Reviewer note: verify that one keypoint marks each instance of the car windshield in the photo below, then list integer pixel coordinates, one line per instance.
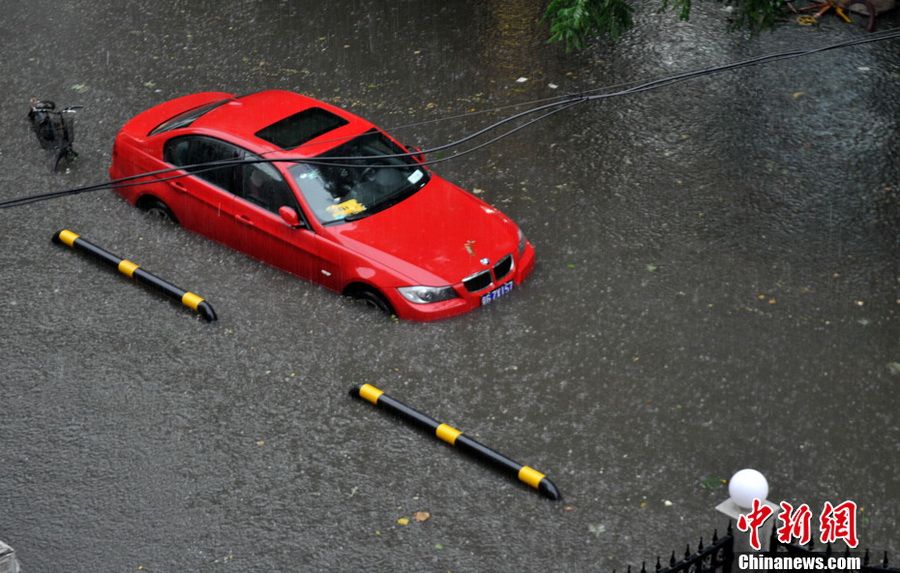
(356, 188)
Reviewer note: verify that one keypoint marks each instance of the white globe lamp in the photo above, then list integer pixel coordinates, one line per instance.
(747, 485)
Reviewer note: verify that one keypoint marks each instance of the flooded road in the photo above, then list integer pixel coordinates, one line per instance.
(717, 287)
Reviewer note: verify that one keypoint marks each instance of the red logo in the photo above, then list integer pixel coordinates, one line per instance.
(794, 524)
(839, 523)
(753, 521)
(835, 522)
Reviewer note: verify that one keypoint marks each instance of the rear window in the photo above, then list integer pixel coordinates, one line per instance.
(188, 117)
(299, 128)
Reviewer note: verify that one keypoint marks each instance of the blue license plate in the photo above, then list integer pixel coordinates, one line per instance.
(497, 293)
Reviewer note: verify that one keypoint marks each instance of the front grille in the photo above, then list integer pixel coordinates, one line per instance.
(477, 281)
(503, 266)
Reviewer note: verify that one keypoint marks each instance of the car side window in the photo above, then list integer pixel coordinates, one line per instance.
(181, 151)
(264, 186)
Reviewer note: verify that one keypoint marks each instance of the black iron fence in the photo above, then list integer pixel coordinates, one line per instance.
(868, 566)
(719, 556)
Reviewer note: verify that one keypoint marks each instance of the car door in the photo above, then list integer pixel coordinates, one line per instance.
(207, 197)
(268, 237)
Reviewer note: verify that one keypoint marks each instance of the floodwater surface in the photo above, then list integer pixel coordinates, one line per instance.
(717, 287)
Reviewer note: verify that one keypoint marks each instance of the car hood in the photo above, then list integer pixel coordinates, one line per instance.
(437, 236)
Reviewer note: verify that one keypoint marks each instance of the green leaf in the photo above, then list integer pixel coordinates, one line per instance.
(574, 21)
(712, 482)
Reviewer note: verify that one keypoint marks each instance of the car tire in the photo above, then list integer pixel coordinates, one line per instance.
(159, 211)
(372, 299)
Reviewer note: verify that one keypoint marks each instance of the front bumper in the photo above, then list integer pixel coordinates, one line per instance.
(466, 301)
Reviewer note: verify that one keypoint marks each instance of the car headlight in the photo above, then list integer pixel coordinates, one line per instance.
(522, 242)
(427, 294)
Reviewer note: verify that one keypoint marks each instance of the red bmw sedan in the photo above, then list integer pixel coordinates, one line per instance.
(385, 230)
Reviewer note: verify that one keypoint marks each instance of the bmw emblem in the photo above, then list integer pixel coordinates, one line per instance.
(485, 261)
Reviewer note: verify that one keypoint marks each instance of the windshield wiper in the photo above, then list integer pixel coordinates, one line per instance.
(389, 202)
(358, 216)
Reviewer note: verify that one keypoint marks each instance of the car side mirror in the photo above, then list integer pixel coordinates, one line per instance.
(417, 151)
(289, 216)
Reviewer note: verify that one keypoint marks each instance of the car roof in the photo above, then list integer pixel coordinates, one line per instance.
(245, 116)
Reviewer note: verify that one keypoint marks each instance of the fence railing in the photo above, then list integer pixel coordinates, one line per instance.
(719, 556)
(776, 547)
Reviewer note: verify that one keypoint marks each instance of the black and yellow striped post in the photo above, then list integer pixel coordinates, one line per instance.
(455, 437)
(133, 271)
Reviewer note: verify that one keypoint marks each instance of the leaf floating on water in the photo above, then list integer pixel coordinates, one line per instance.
(597, 529)
(404, 521)
(712, 482)
(421, 516)
(652, 268)
(797, 95)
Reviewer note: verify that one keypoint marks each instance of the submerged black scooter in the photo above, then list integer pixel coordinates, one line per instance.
(55, 130)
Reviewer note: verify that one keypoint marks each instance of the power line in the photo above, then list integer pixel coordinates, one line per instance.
(552, 106)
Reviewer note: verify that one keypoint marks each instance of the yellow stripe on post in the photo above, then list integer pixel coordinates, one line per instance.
(68, 237)
(447, 433)
(127, 268)
(370, 393)
(531, 476)
(191, 300)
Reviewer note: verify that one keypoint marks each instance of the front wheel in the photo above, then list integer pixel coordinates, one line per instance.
(63, 158)
(371, 298)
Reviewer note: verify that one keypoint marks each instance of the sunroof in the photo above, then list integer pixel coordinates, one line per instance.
(301, 127)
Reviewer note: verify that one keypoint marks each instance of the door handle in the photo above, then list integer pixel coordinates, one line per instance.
(178, 186)
(245, 220)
